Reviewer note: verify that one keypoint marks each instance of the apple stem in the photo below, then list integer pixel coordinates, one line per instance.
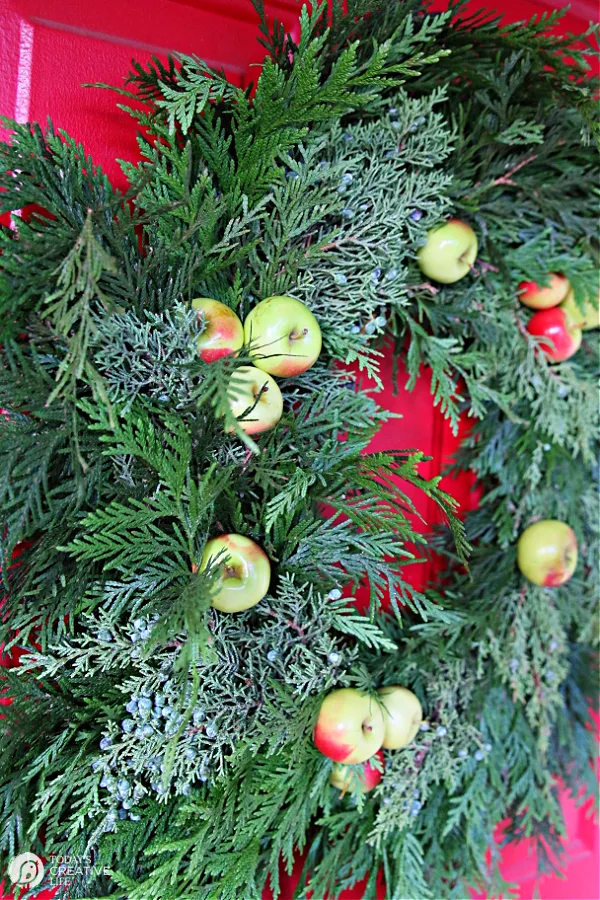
(294, 336)
(507, 177)
(424, 286)
(487, 267)
(522, 328)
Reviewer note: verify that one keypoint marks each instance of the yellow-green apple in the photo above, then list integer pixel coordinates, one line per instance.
(586, 318)
(547, 552)
(344, 778)
(562, 334)
(349, 726)
(256, 397)
(283, 336)
(223, 332)
(535, 297)
(244, 571)
(449, 252)
(402, 715)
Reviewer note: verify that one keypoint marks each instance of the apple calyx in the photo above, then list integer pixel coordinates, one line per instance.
(243, 572)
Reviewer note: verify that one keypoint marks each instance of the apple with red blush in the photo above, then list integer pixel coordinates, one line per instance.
(222, 330)
(536, 296)
(365, 778)
(547, 553)
(561, 336)
(283, 336)
(350, 726)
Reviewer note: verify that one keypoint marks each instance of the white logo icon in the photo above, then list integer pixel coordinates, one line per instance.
(26, 869)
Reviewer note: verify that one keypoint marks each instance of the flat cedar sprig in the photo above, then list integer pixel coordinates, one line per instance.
(171, 742)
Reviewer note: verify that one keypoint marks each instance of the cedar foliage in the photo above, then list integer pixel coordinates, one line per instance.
(170, 742)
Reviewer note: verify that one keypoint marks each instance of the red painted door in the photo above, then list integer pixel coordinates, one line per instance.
(50, 48)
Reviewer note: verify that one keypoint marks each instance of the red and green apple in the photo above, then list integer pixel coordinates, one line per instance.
(449, 252)
(223, 332)
(402, 714)
(244, 571)
(349, 726)
(255, 397)
(344, 778)
(283, 336)
(547, 296)
(547, 553)
(562, 335)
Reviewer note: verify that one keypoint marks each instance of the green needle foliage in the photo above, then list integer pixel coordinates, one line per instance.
(172, 743)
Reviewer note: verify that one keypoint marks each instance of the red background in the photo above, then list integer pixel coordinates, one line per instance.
(49, 48)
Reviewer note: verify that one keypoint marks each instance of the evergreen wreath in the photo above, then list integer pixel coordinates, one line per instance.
(172, 742)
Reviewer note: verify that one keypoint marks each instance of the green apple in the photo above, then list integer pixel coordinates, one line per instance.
(586, 318)
(547, 553)
(256, 397)
(449, 253)
(344, 778)
(349, 726)
(535, 297)
(283, 336)
(245, 571)
(403, 715)
(223, 332)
